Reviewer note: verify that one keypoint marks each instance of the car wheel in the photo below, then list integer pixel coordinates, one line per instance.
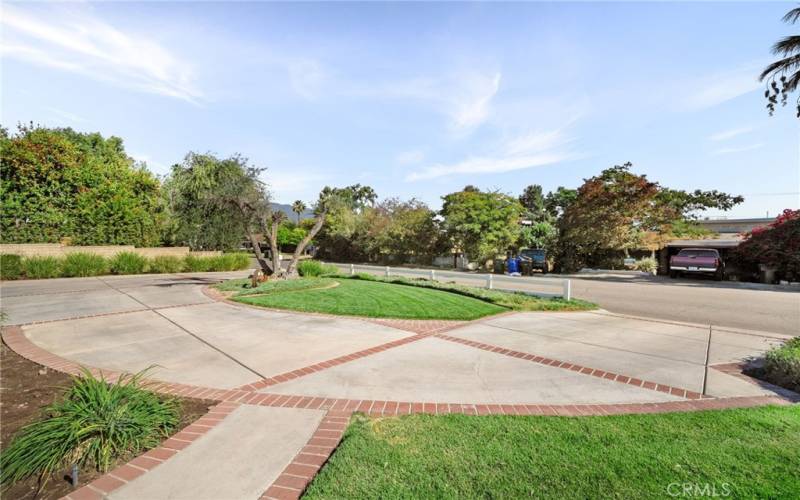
(673, 274)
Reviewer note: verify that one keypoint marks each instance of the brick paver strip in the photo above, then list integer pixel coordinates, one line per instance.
(594, 372)
(122, 475)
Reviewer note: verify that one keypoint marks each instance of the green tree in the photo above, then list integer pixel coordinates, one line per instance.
(481, 224)
(539, 235)
(58, 183)
(776, 246)
(533, 200)
(614, 210)
(298, 207)
(785, 70)
(216, 203)
(404, 230)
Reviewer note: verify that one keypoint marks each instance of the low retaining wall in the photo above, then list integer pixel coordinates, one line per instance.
(59, 250)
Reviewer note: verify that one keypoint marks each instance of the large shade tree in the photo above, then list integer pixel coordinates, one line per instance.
(481, 224)
(615, 210)
(783, 75)
(58, 184)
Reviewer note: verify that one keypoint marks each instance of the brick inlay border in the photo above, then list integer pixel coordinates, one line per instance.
(122, 475)
(584, 370)
(294, 479)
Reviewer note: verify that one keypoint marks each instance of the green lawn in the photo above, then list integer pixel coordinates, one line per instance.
(367, 298)
(753, 453)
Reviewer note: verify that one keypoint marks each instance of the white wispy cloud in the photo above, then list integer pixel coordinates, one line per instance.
(717, 88)
(738, 149)
(534, 149)
(306, 77)
(66, 115)
(724, 135)
(74, 39)
(471, 103)
(410, 157)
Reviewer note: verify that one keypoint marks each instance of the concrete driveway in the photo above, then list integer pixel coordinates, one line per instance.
(129, 323)
(287, 382)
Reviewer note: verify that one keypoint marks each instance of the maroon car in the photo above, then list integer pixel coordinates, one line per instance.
(697, 261)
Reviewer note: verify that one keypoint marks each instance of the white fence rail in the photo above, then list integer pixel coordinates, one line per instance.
(533, 285)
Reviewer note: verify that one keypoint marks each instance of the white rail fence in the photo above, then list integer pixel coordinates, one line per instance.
(533, 285)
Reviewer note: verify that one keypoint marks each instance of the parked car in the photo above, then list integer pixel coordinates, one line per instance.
(537, 258)
(697, 261)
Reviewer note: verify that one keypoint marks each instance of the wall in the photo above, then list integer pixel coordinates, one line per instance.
(59, 250)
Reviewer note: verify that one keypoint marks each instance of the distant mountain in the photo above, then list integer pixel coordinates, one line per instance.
(287, 209)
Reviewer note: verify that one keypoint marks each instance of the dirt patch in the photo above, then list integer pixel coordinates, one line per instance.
(25, 389)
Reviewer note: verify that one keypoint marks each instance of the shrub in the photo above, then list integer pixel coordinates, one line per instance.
(84, 264)
(10, 266)
(197, 264)
(42, 267)
(647, 265)
(313, 268)
(95, 423)
(782, 365)
(128, 263)
(166, 264)
(229, 262)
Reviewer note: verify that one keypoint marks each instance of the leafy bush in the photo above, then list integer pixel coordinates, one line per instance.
(94, 424)
(84, 264)
(10, 266)
(128, 263)
(42, 267)
(197, 264)
(313, 268)
(229, 262)
(776, 246)
(782, 365)
(647, 265)
(166, 264)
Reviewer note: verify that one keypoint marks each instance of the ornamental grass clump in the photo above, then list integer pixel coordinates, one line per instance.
(93, 425)
(84, 264)
(10, 266)
(128, 263)
(166, 264)
(42, 267)
(314, 268)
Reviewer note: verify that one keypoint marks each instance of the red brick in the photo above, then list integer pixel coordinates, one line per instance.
(308, 459)
(145, 462)
(294, 482)
(175, 444)
(127, 472)
(301, 470)
(278, 493)
(85, 493)
(107, 483)
(160, 453)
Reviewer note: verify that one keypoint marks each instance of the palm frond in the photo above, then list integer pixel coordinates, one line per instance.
(786, 46)
(785, 65)
(792, 16)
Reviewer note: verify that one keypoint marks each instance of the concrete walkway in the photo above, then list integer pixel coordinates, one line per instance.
(287, 382)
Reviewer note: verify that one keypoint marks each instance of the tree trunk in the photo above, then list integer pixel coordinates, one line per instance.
(273, 247)
(290, 270)
(264, 263)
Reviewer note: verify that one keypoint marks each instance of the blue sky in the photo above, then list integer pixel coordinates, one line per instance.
(418, 99)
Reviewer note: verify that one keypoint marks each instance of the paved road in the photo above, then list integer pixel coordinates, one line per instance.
(732, 305)
(705, 302)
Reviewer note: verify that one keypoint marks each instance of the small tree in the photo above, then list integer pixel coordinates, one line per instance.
(776, 246)
(298, 207)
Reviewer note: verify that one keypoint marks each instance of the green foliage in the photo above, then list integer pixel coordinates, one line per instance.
(128, 263)
(42, 267)
(10, 266)
(688, 229)
(165, 264)
(84, 264)
(647, 265)
(58, 183)
(313, 268)
(540, 235)
(782, 365)
(214, 203)
(229, 262)
(93, 425)
(481, 224)
(290, 235)
(776, 246)
(195, 264)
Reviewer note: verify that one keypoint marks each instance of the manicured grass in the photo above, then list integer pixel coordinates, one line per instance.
(754, 453)
(368, 298)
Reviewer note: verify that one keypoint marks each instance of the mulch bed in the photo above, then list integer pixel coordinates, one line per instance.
(25, 388)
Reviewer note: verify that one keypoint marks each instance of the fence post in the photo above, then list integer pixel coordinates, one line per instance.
(352, 269)
(387, 271)
(489, 282)
(433, 275)
(567, 293)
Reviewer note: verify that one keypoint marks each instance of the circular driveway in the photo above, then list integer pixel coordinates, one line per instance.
(187, 335)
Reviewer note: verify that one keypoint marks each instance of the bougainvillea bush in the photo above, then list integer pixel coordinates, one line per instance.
(776, 246)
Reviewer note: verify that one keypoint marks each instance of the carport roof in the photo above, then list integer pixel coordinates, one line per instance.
(715, 243)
